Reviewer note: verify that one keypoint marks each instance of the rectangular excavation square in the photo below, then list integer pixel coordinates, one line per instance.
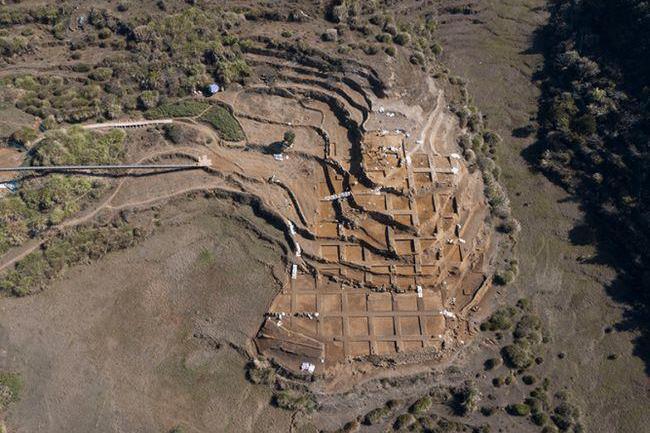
(354, 253)
(405, 219)
(406, 302)
(453, 253)
(380, 302)
(330, 252)
(404, 282)
(359, 348)
(327, 285)
(383, 326)
(332, 326)
(411, 345)
(435, 325)
(432, 300)
(399, 202)
(446, 178)
(305, 302)
(422, 180)
(327, 229)
(331, 271)
(441, 162)
(410, 325)
(304, 283)
(376, 231)
(324, 189)
(356, 302)
(420, 160)
(358, 326)
(404, 246)
(305, 325)
(426, 207)
(376, 203)
(282, 304)
(330, 303)
(353, 273)
(405, 270)
(386, 347)
(326, 210)
(381, 280)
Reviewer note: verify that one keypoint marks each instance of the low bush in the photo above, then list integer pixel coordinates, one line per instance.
(403, 421)
(421, 406)
(517, 356)
(500, 320)
(518, 409)
(402, 38)
(101, 74)
(292, 400)
(377, 415)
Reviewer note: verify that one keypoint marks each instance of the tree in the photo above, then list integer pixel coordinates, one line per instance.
(289, 138)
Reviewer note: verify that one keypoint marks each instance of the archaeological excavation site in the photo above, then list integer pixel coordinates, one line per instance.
(280, 216)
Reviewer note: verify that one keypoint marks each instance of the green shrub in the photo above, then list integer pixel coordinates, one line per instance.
(101, 74)
(500, 320)
(539, 418)
(518, 409)
(488, 410)
(528, 379)
(148, 99)
(384, 38)
(23, 137)
(465, 400)
(225, 123)
(529, 328)
(517, 356)
(292, 400)
(402, 38)
(504, 277)
(81, 67)
(491, 363)
(11, 385)
(565, 416)
(422, 405)
(377, 415)
(404, 421)
(390, 51)
(261, 375)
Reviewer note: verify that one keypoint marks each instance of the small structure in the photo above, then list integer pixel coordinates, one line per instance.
(213, 88)
(10, 186)
(308, 367)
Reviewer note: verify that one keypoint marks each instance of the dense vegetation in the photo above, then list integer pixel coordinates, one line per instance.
(595, 127)
(43, 202)
(151, 59)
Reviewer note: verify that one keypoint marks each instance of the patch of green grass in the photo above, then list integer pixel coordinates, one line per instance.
(11, 385)
(183, 108)
(206, 257)
(225, 123)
